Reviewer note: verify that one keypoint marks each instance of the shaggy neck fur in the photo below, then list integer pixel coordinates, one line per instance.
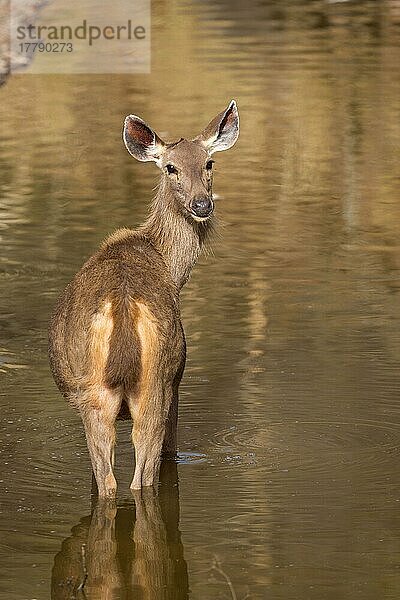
(178, 238)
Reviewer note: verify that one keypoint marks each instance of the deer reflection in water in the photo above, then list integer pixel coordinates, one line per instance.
(133, 551)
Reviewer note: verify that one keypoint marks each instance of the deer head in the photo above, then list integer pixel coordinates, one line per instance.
(186, 165)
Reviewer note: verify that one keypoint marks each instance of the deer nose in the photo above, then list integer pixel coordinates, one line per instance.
(202, 207)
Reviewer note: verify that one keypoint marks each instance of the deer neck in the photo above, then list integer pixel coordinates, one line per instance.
(178, 239)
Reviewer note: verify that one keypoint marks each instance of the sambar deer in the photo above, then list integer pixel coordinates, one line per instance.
(117, 347)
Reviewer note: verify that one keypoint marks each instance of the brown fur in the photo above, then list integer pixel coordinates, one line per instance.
(117, 347)
(147, 332)
(105, 339)
(123, 365)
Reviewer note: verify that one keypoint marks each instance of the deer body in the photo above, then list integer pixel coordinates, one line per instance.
(117, 346)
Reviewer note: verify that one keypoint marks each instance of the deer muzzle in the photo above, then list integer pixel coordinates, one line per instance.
(202, 207)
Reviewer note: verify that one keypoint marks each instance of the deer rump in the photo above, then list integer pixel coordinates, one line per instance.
(123, 348)
(120, 346)
(122, 367)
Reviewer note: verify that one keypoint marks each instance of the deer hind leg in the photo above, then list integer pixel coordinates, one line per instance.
(98, 404)
(149, 402)
(169, 448)
(99, 412)
(150, 412)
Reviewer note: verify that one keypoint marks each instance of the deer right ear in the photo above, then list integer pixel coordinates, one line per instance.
(141, 141)
(222, 132)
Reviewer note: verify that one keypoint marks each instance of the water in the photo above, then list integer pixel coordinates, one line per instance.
(288, 482)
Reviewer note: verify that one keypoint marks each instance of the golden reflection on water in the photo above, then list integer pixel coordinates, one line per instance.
(133, 551)
(290, 396)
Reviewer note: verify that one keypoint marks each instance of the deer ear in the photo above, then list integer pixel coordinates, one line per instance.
(223, 131)
(141, 141)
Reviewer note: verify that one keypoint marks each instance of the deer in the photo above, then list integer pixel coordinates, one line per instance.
(116, 342)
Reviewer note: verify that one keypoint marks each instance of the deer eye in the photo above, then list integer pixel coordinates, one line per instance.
(171, 169)
(209, 165)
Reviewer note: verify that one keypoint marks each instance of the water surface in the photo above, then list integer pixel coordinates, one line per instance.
(288, 483)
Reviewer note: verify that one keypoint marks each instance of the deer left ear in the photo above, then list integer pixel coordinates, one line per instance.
(222, 132)
(141, 141)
